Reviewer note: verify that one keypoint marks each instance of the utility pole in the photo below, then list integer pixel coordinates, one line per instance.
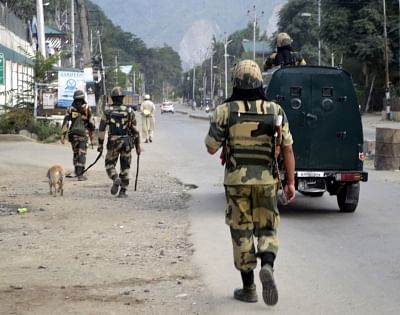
(319, 32)
(83, 23)
(211, 80)
(134, 82)
(40, 27)
(194, 83)
(73, 33)
(399, 39)
(116, 69)
(227, 42)
(102, 73)
(254, 29)
(387, 83)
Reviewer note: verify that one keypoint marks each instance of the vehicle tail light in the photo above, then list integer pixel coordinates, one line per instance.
(348, 177)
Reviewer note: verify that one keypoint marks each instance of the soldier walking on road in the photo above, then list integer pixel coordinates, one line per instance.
(246, 125)
(148, 118)
(79, 118)
(122, 137)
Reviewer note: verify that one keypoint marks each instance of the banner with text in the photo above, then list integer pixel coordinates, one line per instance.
(68, 83)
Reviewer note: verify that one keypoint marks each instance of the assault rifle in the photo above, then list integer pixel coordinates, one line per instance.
(277, 144)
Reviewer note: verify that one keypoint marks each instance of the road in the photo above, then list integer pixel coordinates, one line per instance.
(329, 262)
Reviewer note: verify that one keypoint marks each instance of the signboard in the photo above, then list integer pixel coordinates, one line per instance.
(1, 68)
(68, 83)
(49, 100)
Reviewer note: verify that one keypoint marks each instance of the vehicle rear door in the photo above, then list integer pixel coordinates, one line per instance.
(323, 115)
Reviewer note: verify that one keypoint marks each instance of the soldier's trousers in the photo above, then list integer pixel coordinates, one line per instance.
(252, 212)
(79, 148)
(119, 147)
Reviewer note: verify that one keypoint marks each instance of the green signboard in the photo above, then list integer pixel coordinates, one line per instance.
(1, 68)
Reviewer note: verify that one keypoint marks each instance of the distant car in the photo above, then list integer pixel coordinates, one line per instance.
(167, 107)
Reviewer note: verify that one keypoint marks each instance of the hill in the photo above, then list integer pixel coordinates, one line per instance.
(188, 26)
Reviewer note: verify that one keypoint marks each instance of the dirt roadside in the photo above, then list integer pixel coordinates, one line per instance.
(91, 253)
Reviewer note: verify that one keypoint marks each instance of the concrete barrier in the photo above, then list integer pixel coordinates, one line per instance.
(387, 149)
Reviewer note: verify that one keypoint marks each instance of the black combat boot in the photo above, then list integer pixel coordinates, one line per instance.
(79, 172)
(82, 178)
(122, 193)
(270, 291)
(248, 293)
(115, 185)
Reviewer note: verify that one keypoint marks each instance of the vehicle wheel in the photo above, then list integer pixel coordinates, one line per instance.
(348, 197)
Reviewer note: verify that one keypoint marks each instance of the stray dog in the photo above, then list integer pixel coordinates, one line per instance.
(56, 175)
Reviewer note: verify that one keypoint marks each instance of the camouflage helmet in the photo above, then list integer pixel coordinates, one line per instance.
(79, 95)
(117, 91)
(283, 39)
(246, 75)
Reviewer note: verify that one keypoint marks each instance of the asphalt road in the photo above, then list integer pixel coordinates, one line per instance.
(329, 262)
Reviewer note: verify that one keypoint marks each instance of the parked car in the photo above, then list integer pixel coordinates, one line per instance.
(167, 107)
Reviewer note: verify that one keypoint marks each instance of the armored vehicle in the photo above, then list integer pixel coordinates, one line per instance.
(325, 121)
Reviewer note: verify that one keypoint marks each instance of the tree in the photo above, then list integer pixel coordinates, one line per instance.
(352, 30)
(84, 31)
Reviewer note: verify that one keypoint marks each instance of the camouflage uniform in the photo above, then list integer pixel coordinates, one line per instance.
(251, 187)
(284, 54)
(245, 129)
(122, 137)
(80, 117)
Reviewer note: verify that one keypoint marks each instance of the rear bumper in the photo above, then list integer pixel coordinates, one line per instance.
(332, 181)
(339, 176)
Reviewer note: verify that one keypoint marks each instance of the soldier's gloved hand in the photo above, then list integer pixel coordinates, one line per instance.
(100, 149)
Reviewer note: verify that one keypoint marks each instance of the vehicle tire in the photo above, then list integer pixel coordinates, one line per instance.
(352, 191)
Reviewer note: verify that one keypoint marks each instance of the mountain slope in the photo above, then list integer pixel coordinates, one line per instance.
(187, 26)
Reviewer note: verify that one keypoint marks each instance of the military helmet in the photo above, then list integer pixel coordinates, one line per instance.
(283, 39)
(147, 97)
(246, 75)
(79, 95)
(117, 91)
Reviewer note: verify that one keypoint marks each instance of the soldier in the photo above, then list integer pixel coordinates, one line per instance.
(284, 54)
(245, 126)
(122, 137)
(81, 120)
(148, 119)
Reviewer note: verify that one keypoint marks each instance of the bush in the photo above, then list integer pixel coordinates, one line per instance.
(46, 131)
(15, 120)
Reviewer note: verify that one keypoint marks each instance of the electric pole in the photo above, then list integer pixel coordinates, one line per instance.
(387, 83)
(40, 27)
(226, 63)
(254, 29)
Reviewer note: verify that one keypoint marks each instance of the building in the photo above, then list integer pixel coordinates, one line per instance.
(16, 52)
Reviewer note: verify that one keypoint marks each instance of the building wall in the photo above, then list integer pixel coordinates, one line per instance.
(17, 51)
